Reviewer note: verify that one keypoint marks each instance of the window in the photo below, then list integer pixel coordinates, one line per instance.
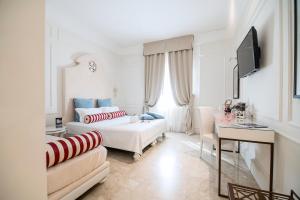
(166, 105)
(166, 99)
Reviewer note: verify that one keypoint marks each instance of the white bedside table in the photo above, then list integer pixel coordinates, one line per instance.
(59, 132)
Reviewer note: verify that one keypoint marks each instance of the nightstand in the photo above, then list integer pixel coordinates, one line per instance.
(58, 132)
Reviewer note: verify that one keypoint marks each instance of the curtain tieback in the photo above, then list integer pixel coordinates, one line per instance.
(189, 129)
(146, 107)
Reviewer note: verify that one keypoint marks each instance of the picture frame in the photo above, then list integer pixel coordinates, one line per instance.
(58, 122)
(236, 83)
(296, 50)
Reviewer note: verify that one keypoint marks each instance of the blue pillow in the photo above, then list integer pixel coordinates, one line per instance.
(82, 103)
(104, 102)
(146, 117)
(156, 116)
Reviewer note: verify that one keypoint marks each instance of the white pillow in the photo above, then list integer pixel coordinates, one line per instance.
(134, 119)
(110, 109)
(82, 112)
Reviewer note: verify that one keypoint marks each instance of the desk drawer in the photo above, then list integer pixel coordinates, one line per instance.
(267, 136)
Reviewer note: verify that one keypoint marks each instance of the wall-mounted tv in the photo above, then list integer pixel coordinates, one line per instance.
(248, 54)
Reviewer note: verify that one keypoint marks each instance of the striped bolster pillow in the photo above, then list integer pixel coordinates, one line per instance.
(66, 148)
(117, 114)
(96, 117)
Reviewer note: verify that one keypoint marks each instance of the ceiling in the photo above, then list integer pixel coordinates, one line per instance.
(129, 22)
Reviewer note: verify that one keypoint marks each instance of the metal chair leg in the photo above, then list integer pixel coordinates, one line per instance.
(238, 157)
(217, 154)
(235, 154)
(201, 148)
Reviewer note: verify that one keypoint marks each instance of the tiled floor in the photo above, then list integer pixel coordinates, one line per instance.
(170, 170)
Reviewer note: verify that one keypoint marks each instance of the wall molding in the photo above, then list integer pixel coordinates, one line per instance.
(289, 33)
(288, 130)
(283, 121)
(292, 123)
(52, 35)
(280, 59)
(249, 18)
(257, 10)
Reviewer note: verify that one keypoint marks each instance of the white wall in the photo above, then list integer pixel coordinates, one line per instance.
(214, 59)
(22, 127)
(211, 60)
(66, 39)
(129, 63)
(61, 46)
(211, 56)
(130, 80)
(269, 92)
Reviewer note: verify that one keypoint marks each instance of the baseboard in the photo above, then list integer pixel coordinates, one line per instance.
(196, 130)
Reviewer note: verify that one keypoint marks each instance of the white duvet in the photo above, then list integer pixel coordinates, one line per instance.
(120, 133)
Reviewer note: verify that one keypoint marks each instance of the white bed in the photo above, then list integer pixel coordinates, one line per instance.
(117, 133)
(120, 133)
(70, 179)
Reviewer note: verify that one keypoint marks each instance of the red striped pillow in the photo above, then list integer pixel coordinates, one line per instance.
(66, 148)
(97, 117)
(117, 114)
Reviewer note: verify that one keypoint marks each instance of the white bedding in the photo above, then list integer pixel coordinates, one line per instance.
(119, 133)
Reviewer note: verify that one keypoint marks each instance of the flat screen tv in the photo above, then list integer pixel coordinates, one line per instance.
(248, 54)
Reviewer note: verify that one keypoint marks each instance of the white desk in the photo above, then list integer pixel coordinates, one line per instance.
(227, 131)
(250, 134)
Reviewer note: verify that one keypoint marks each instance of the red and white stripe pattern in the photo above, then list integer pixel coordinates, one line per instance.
(66, 148)
(96, 117)
(117, 114)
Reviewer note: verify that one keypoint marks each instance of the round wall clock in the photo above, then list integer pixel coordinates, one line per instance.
(92, 66)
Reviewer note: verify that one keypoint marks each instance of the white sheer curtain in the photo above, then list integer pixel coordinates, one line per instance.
(181, 67)
(167, 107)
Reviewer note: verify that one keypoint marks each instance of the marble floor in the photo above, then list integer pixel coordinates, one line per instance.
(170, 170)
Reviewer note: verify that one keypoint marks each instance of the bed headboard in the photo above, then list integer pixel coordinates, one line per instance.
(80, 82)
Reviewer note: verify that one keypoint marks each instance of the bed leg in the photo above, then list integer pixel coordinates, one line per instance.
(154, 143)
(136, 156)
(160, 139)
(103, 180)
